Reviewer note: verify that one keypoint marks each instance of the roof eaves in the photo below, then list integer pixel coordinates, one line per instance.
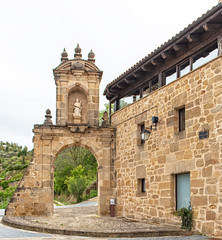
(167, 43)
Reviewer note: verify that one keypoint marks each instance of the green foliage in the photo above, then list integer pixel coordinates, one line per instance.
(4, 184)
(5, 196)
(122, 103)
(93, 193)
(186, 215)
(75, 170)
(12, 168)
(77, 186)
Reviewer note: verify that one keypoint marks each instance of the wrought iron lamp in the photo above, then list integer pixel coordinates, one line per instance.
(145, 133)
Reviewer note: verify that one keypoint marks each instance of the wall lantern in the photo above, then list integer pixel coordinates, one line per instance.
(145, 133)
(154, 122)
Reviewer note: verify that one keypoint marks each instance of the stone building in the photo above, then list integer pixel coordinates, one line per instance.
(168, 120)
(163, 149)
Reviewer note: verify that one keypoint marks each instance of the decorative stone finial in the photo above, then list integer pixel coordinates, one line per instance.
(64, 55)
(105, 118)
(91, 56)
(48, 116)
(78, 51)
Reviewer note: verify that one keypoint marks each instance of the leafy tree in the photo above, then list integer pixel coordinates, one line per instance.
(77, 186)
(23, 153)
(71, 165)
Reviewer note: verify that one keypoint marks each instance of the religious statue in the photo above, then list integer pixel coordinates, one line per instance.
(77, 109)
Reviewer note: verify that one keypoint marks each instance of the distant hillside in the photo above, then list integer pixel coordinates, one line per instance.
(14, 160)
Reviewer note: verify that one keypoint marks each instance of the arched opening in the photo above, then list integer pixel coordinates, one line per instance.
(75, 175)
(77, 93)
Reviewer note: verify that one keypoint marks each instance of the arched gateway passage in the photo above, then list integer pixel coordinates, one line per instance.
(77, 117)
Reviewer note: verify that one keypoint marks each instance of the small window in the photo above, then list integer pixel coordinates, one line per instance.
(146, 91)
(181, 119)
(154, 84)
(170, 75)
(141, 185)
(184, 68)
(205, 56)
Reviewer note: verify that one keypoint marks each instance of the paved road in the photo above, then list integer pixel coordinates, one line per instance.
(8, 233)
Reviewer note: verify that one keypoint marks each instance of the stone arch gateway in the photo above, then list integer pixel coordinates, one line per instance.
(35, 193)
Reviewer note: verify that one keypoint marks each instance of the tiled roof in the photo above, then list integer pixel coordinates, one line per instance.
(165, 45)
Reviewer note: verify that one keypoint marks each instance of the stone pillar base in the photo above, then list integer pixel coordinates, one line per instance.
(77, 120)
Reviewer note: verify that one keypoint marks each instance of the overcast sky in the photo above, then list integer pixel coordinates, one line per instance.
(34, 33)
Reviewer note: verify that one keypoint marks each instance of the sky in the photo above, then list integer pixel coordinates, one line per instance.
(34, 33)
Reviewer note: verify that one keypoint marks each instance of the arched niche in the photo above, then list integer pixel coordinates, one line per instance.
(78, 92)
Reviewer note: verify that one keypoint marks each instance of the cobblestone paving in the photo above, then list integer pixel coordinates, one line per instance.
(64, 216)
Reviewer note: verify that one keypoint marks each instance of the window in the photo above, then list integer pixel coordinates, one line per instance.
(128, 99)
(170, 75)
(146, 91)
(205, 56)
(181, 119)
(182, 190)
(141, 185)
(184, 68)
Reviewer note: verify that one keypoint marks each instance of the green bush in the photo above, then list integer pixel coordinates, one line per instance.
(93, 193)
(186, 215)
(5, 196)
(4, 184)
(77, 187)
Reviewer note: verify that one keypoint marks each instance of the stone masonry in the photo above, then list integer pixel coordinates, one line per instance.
(75, 79)
(169, 152)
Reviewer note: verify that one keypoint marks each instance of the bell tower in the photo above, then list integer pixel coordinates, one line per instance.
(77, 90)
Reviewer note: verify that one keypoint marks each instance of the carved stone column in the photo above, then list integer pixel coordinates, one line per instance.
(219, 43)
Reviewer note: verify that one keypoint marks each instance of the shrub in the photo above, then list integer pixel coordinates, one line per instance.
(77, 187)
(93, 193)
(4, 184)
(186, 215)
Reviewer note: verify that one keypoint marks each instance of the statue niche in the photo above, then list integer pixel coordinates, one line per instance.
(77, 107)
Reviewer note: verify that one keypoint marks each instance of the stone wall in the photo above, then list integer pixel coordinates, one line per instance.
(35, 193)
(169, 152)
(80, 79)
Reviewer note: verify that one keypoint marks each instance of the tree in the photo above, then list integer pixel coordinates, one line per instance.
(23, 153)
(71, 164)
(78, 182)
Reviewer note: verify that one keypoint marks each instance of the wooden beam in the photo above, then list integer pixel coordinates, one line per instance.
(164, 55)
(128, 80)
(205, 27)
(136, 75)
(176, 48)
(147, 68)
(207, 39)
(192, 38)
(156, 62)
(168, 54)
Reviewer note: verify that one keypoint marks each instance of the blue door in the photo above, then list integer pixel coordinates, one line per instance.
(183, 190)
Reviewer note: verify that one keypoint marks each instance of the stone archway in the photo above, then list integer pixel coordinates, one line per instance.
(77, 82)
(35, 193)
